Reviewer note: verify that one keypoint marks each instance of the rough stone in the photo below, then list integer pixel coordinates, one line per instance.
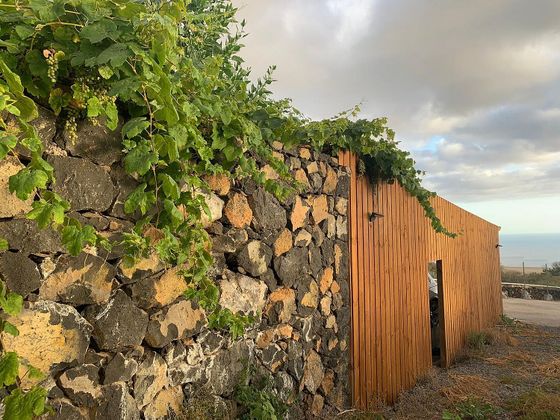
(342, 206)
(283, 242)
(295, 163)
(331, 181)
(313, 372)
(271, 335)
(304, 153)
(315, 260)
(242, 294)
(303, 238)
(98, 221)
(317, 405)
(142, 268)
(269, 173)
(295, 365)
(24, 235)
(97, 143)
(116, 403)
(51, 336)
(341, 260)
(63, 409)
(211, 341)
(151, 378)
(19, 272)
(298, 217)
(84, 184)
(238, 212)
(341, 227)
(312, 167)
(178, 321)
(255, 257)
(120, 369)
(219, 183)
(118, 324)
(82, 280)
(215, 206)
(160, 289)
(316, 182)
(325, 304)
(10, 205)
(302, 179)
(343, 185)
(167, 404)
(284, 300)
(226, 369)
(330, 226)
(327, 384)
(292, 266)
(326, 279)
(273, 357)
(285, 386)
(125, 185)
(308, 296)
(320, 209)
(268, 214)
(81, 385)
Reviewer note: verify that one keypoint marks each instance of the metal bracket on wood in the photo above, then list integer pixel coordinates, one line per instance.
(373, 215)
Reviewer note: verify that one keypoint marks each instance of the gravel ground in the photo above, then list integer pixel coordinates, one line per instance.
(514, 375)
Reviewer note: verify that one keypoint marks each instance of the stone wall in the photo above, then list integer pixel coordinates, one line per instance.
(123, 343)
(527, 291)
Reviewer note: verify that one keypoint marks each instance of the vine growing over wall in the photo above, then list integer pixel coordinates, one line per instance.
(168, 74)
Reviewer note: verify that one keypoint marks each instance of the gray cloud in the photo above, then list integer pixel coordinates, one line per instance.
(472, 88)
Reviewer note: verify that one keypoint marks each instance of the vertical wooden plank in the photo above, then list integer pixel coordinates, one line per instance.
(355, 284)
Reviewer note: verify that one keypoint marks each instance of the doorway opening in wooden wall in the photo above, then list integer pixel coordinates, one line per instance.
(435, 296)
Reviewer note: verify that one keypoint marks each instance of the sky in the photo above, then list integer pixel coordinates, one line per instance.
(472, 88)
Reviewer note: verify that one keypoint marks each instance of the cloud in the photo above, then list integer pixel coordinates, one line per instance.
(472, 88)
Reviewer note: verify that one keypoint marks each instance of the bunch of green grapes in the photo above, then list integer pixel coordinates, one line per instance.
(71, 124)
(52, 57)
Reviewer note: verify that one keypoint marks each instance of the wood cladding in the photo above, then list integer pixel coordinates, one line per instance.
(390, 339)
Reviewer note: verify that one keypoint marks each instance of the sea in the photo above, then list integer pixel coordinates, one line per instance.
(535, 250)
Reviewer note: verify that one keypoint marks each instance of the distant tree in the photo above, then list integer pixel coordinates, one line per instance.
(554, 269)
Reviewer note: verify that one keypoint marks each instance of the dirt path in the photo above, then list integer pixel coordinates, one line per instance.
(516, 375)
(537, 312)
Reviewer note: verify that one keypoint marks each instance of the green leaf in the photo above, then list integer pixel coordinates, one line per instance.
(49, 211)
(93, 107)
(134, 126)
(139, 199)
(9, 367)
(105, 72)
(140, 159)
(25, 406)
(26, 106)
(10, 328)
(170, 187)
(98, 31)
(4, 246)
(7, 143)
(58, 100)
(75, 237)
(12, 303)
(116, 54)
(35, 373)
(175, 216)
(24, 32)
(26, 181)
(112, 115)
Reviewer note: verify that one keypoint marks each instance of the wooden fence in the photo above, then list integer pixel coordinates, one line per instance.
(391, 344)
